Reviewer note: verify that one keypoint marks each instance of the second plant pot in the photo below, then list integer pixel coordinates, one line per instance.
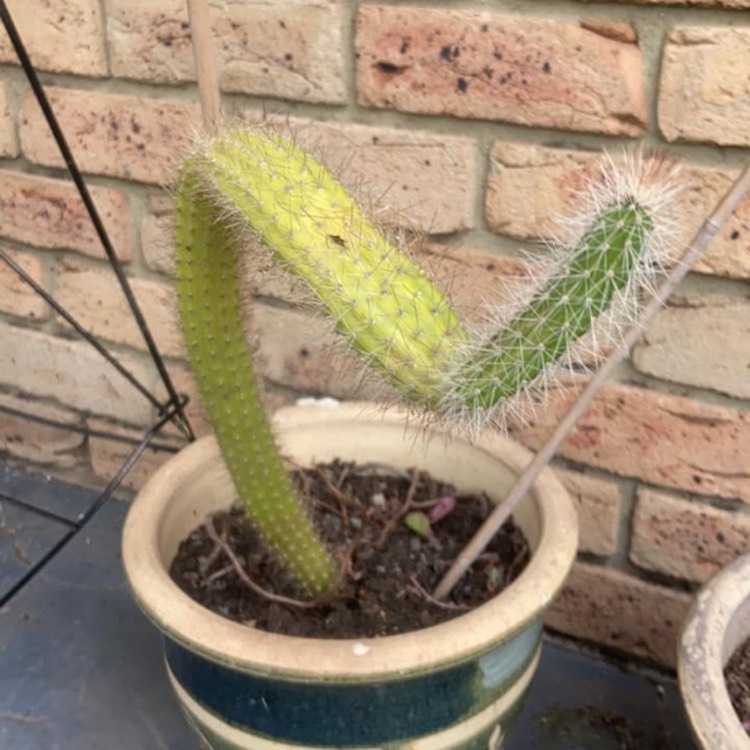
(717, 624)
(452, 686)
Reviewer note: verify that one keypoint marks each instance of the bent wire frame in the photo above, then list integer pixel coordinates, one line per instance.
(171, 410)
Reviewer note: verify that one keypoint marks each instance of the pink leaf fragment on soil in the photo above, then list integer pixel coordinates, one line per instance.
(442, 508)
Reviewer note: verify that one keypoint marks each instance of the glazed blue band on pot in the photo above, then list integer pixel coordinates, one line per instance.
(356, 713)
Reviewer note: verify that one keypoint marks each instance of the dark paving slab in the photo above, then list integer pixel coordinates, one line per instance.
(578, 702)
(81, 669)
(63, 500)
(25, 538)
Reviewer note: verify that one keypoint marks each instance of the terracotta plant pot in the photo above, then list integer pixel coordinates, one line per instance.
(455, 685)
(718, 622)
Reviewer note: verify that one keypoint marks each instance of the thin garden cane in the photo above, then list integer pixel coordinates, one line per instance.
(503, 511)
(205, 64)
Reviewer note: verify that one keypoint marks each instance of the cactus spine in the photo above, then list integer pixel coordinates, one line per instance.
(383, 303)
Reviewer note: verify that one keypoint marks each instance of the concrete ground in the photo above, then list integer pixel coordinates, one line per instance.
(81, 669)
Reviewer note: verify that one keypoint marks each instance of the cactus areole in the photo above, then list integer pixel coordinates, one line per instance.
(253, 182)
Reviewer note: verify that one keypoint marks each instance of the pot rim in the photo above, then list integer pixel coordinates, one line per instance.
(700, 658)
(224, 641)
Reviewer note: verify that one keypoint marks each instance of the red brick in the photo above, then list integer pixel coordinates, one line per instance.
(613, 609)
(73, 373)
(530, 185)
(284, 50)
(686, 539)
(107, 456)
(16, 296)
(662, 439)
(599, 505)
(524, 70)
(703, 91)
(93, 296)
(64, 36)
(157, 243)
(298, 350)
(700, 340)
(133, 137)
(620, 32)
(49, 214)
(27, 440)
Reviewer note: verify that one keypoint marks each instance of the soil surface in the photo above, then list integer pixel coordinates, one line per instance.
(396, 532)
(737, 676)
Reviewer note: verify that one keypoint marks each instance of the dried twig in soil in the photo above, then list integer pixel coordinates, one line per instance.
(342, 499)
(403, 510)
(245, 578)
(422, 593)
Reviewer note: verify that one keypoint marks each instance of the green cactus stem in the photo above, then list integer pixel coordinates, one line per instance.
(608, 260)
(253, 180)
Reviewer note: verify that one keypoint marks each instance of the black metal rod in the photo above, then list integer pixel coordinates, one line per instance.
(180, 418)
(37, 511)
(134, 455)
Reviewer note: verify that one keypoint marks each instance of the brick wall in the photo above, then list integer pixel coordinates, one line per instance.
(474, 119)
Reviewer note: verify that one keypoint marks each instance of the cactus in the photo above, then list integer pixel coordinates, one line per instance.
(378, 298)
(391, 313)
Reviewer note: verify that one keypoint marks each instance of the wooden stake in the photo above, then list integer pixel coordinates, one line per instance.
(503, 511)
(205, 64)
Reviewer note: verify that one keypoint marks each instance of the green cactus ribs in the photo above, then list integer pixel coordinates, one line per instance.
(605, 262)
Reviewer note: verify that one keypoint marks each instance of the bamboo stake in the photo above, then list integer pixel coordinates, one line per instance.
(503, 511)
(205, 64)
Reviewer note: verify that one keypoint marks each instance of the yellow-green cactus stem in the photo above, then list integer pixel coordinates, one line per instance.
(608, 260)
(210, 312)
(380, 300)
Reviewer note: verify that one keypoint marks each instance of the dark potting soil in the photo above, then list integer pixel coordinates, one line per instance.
(737, 677)
(367, 516)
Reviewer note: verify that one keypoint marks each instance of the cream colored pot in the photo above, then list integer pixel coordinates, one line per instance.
(453, 686)
(718, 622)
